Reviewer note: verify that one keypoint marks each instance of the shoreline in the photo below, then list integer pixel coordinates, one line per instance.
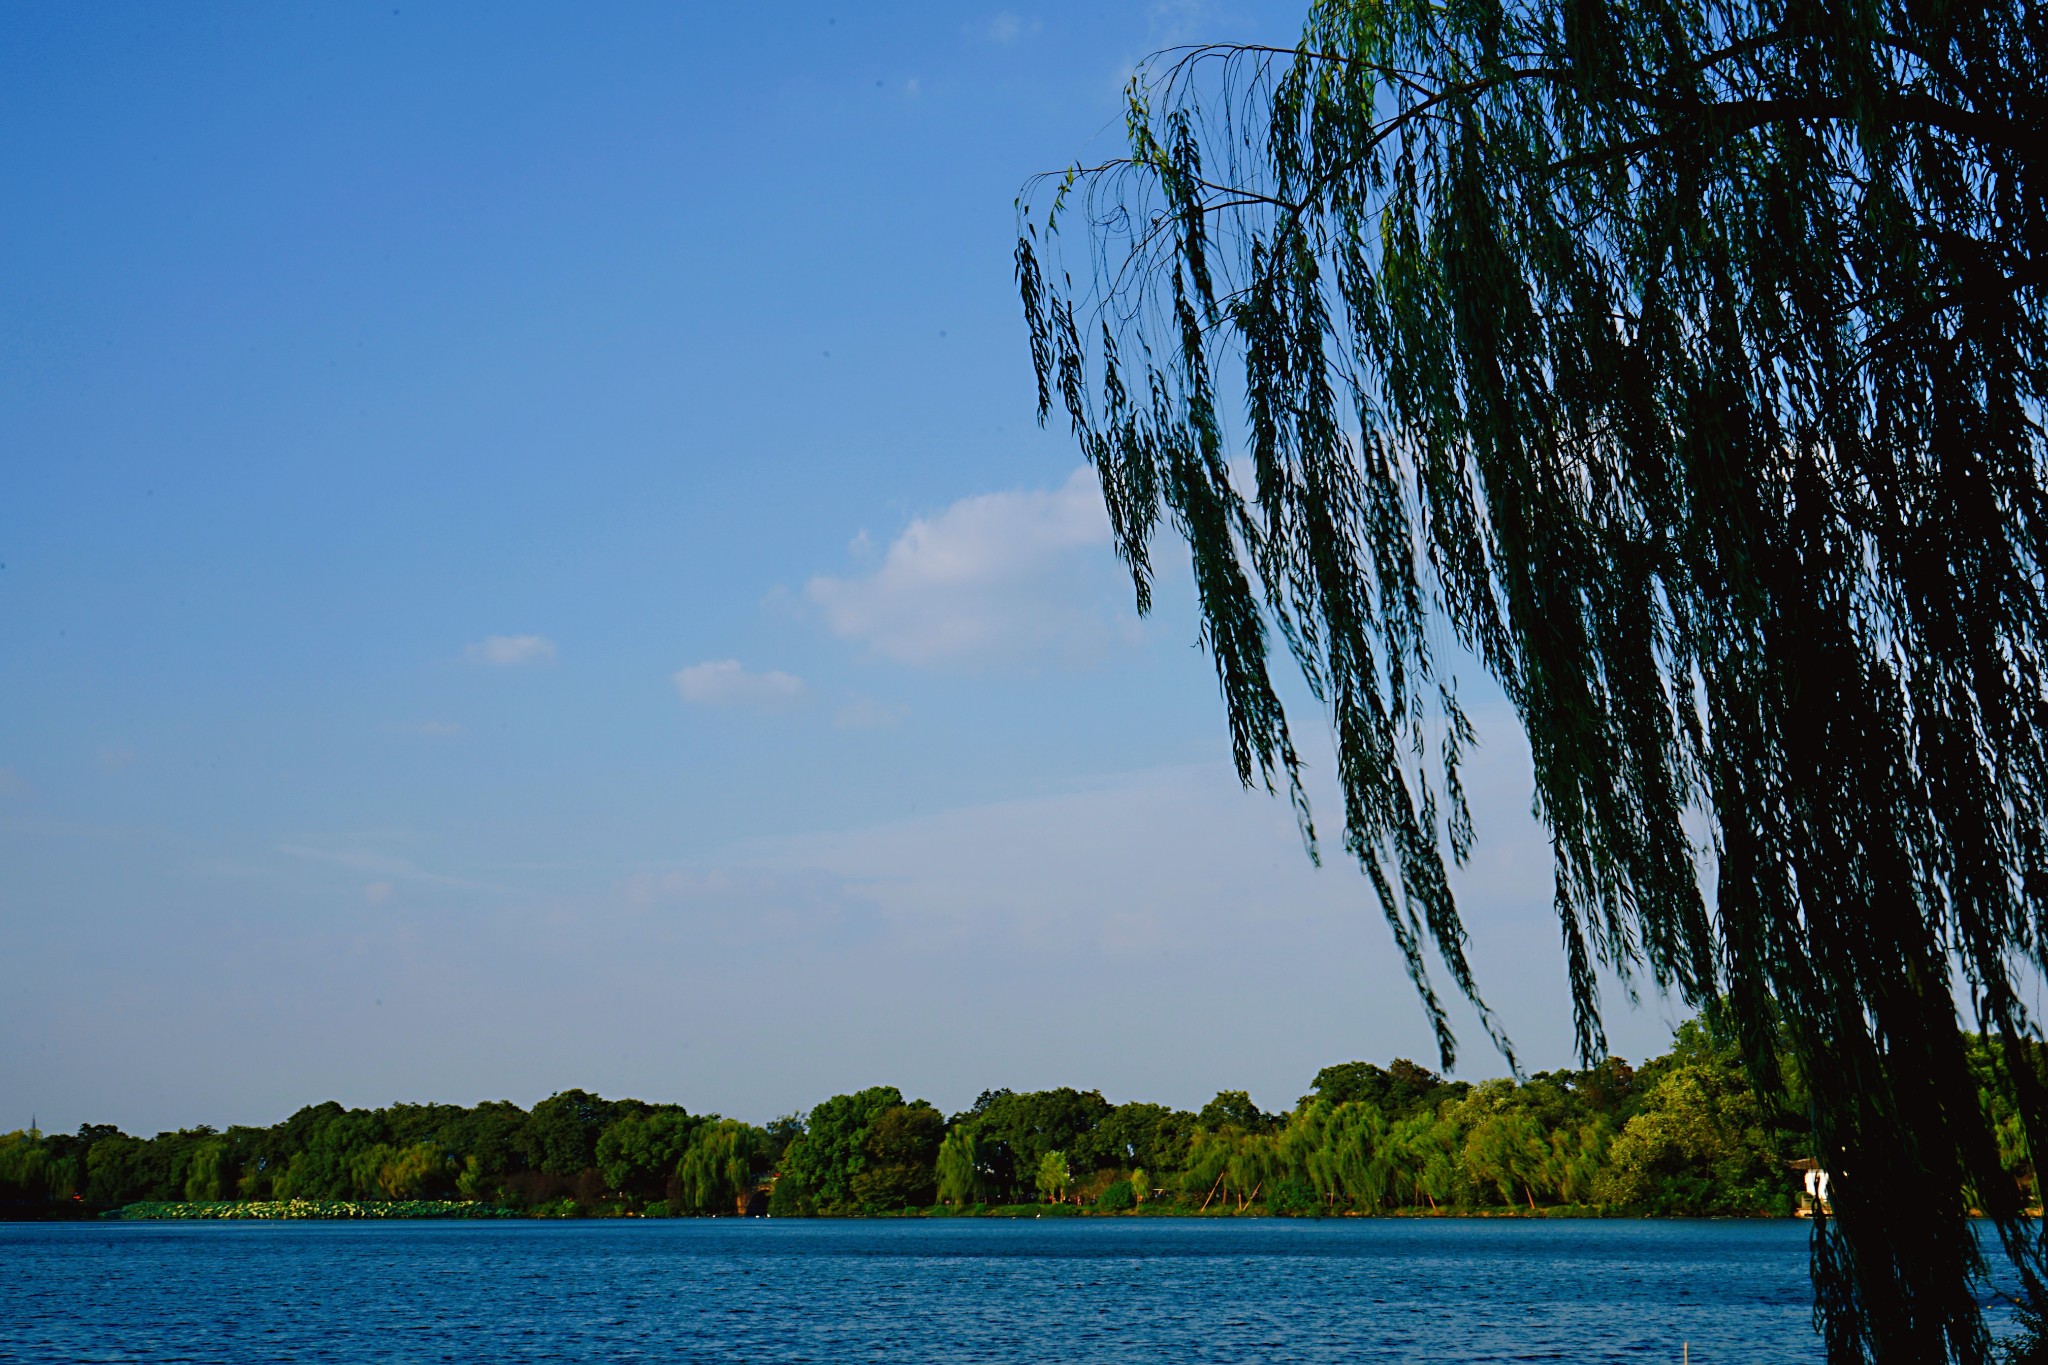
(471, 1211)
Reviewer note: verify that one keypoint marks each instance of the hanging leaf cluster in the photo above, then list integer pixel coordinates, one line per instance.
(1683, 363)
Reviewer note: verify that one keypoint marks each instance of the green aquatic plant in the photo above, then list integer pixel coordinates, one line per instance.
(309, 1209)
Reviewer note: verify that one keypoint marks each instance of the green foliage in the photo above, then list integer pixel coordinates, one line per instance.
(832, 1152)
(205, 1171)
(638, 1153)
(492, 1153)
(1507, 1151)
(720, 1168)
(30, 1172)
(1139, 1134)
(1686, 362)
(782, 1131)
(1294, 1198)
(901, 1150)
(1398, 1091)
(1234, 1109)
(1053, 1176)
(418, 1171)
(329, 1159)
(1684, 1134)
(1117, 1197)
(958, 1169)
(560, 1137)
(1017, 1130)
(790, 1197)
(1701, 1141)
(120, 1168)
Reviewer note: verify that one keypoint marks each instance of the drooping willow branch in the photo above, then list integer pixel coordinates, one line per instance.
(1685, 362)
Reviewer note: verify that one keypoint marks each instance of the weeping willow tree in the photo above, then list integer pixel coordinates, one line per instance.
(1681, 361)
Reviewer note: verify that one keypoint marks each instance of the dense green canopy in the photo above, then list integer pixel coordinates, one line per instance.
(1682, 1134)
(1685, 359)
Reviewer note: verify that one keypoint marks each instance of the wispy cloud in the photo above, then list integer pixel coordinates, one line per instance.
(386, 868)
(801, 909)
(723, 682)
(1008, 27)
(865, 713)
(1184, 21)
(508, 650)
(996, 578)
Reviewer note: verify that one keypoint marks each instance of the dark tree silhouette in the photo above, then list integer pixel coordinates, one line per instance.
(1685, 359)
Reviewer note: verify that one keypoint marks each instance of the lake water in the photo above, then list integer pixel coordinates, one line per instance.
(981, 1290)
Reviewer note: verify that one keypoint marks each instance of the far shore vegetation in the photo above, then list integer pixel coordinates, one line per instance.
(1680, 1135)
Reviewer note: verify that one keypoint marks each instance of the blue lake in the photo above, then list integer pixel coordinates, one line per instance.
(953, 1291)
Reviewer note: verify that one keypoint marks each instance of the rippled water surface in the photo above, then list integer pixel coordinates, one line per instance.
(953, 1291)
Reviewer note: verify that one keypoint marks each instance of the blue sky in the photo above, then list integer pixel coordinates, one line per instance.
(527, 563)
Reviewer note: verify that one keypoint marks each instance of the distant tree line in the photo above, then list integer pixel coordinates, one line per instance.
(1683, 1134)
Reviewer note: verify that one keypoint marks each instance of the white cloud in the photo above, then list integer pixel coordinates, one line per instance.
(1008, 27)
(506, 650)
(995, 578)
(723, 682)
